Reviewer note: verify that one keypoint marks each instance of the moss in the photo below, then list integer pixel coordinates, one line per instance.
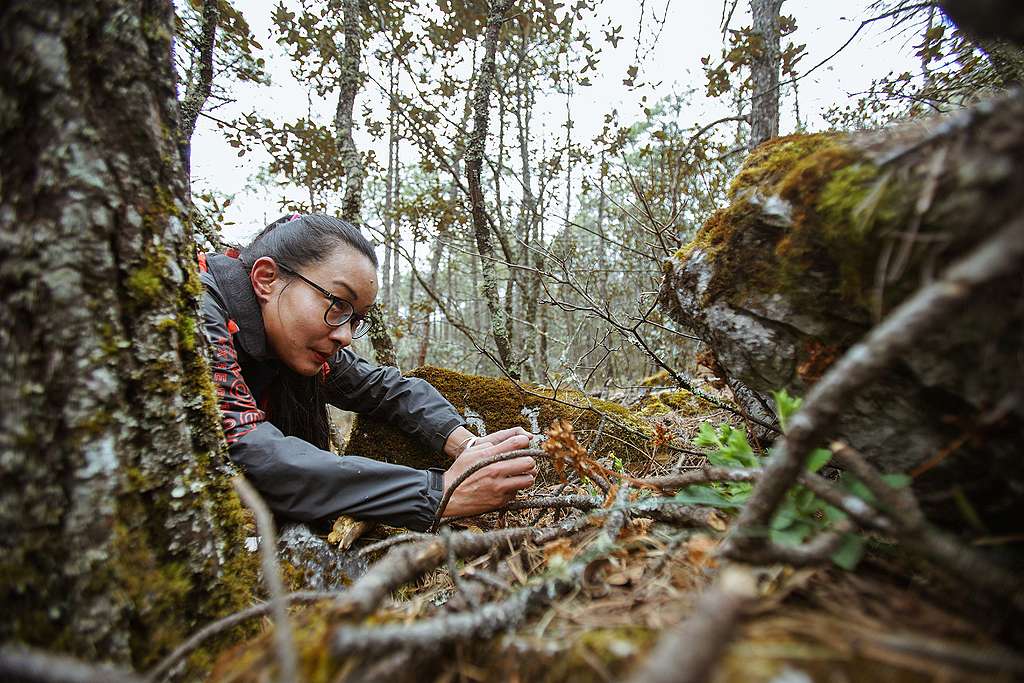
(839, 203)
(681, 402)
(146, 283)
(501, 403)
(770, 162)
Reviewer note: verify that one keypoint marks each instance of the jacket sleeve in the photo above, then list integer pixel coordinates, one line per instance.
(410, 403)
(296, 479)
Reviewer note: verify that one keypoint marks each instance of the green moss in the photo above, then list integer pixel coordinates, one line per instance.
(770, 162)
(839, 204)
(146, 284)
(501, 402)
(681, 402)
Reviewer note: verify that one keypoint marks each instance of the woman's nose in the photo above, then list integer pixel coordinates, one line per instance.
(341, 335)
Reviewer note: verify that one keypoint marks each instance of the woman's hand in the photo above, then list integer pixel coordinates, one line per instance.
(494, 485)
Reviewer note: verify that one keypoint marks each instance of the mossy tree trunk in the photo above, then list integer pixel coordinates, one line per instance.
(120, 533)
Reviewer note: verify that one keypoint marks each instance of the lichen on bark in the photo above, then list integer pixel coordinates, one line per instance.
(121, 533)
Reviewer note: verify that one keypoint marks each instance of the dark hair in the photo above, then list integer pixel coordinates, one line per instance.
(296, 405)
(298, 241)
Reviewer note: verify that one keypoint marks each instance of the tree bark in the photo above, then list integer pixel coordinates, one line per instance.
(120, 530)
(474, 162)
(764, 71)
(349, 81)
(198, 89)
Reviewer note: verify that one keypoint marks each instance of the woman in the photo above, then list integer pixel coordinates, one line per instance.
(280, 315)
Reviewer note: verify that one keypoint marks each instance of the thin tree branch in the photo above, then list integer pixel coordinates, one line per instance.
(284, 643)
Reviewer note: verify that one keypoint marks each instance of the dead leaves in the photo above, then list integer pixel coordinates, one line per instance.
(346, 531)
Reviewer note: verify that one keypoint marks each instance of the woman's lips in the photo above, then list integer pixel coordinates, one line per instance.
(321, 357)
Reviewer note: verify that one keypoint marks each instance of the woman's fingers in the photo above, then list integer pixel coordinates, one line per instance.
(512, 484)
(501, 435)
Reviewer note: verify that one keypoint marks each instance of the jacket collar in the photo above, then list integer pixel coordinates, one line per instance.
(233, 278)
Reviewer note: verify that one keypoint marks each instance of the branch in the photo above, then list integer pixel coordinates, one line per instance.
(999, 256)
(199, 90)
(21, 663)
(689, 652)
(284, 643)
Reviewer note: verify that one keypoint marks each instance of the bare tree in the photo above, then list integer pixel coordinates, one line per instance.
(474, 163)
(764, 71)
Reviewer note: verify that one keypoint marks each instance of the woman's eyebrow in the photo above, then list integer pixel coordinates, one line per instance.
(342, 283)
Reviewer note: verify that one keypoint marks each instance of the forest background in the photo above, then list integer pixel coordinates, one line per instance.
(615, 130)
(516, 239)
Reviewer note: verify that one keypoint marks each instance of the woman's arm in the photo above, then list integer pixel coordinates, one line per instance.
(410, 403)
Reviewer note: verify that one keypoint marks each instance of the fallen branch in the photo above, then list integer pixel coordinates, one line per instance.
(933, 305)
(160, 671)
(429, 634)
(406, 562)
(909, 525)
(284, 643)
(21, 663)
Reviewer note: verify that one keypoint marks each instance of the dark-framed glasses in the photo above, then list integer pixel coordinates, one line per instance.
(339, 311)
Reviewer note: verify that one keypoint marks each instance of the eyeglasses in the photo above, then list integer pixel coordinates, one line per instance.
(340, 311)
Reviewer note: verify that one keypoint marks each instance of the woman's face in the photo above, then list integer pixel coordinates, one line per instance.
(293, 311)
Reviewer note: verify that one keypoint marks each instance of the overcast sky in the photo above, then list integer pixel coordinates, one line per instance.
(691, 31)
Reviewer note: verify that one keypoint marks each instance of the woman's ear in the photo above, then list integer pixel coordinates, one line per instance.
(264, 275)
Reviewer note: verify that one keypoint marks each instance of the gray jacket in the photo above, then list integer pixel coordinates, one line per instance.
(298, 480)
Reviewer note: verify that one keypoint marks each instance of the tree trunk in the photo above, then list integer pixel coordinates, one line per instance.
(474, 163)
(764, 72)
(198, 89)
(120, 530)
(349, 81)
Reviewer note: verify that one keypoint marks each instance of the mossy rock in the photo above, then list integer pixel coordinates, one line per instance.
(680, 402)
(783, 280)
(492, 404)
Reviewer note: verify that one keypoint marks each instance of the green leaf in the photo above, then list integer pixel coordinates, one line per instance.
(791, 535)
(897, 480)
(819, 457)
(785, 406)
(707, 437)
(849, 552)
(705, 495)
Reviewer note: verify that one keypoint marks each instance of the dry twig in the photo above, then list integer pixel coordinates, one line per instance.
(21, 663)
(284, 643)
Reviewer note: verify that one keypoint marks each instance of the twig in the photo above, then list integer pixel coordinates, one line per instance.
(160, 671)
(406, 562)
(407, 537)
(931, 306)
(501, 457)
(22, 663)
(689, 652)
(909, 525)
(489, 619)
(453, 569)
(705, 475)
(283, 641)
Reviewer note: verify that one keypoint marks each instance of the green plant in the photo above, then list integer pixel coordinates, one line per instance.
(801, 514)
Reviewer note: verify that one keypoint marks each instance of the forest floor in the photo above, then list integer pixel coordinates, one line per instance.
(591, 601)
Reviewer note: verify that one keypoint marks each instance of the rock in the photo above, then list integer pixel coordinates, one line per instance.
(490, 404)
(313, 564)
(782, 281)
